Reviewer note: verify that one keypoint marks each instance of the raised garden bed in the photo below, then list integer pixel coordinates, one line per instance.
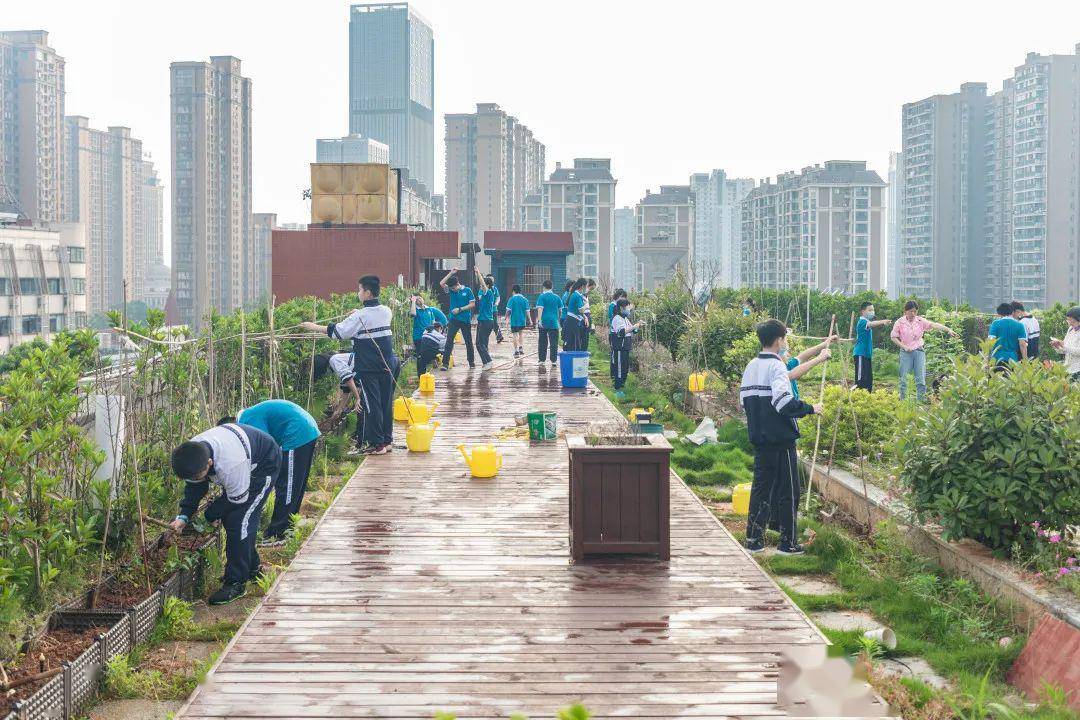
(619, 489)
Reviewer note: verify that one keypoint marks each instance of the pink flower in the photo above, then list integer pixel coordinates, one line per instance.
(1038, 574)
(1063, 571)
(1055, 537)
(1035, 524)
(1071, 561)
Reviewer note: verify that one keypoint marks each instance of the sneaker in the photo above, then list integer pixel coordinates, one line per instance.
(541, 363)
(790, 549)
(380, 450)
(271, 541)
(754, 547)
(228, 593)
(487, 366)
(554, 363)
(443, 368)
(472, 365)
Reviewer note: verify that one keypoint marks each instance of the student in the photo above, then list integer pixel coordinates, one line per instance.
(622, 333)
(517, 317)
(423, 317)
(907, 334)
(296, 432)
(1069, 346)
(565, 304)
(805, 361)
(550, 307)
(586, 309)
(864, 346)
(374, 362)
(485, 317)
(619, 294)
(430, 345)
(498, 303)
(748, 307)
(342, 366)
(574, 328)
(1031, 327)
(771, 414)
(244, 461)
(1010, 338)
(462, 302)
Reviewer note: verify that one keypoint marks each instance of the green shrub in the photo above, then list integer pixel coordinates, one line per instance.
(997, 453)
(709, 339)
(876, 414)
(665, 311)
(941, 348)
(712, 464)
(741, 352)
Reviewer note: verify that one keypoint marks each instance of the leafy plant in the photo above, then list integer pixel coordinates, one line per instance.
(875, 417)
(741, 352)
(710, 337)
(997, 453)
(666, 311)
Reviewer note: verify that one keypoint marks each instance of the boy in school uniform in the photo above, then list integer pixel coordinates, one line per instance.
(1010, 338)
(771, 414)
(622, 333)
(806, 361)
(342, 365)
(498, 303)
(462, 303)
(424, 316)
(863, 351)
(296, 433)
(574, 328)
(374, 362)
(430, 345)
(550, 306)
(485, 317)
(1031, 327)
(517, 317)
(244, 461)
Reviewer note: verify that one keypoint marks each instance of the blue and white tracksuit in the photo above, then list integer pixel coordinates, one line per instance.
(375, 364)
(245, 462)
(771, 414)
(622, 333)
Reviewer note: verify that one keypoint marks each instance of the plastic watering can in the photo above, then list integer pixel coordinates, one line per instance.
(427, 383)
(485, 462)
(740, 499)
(413, 411)
(419, 436)
(632, 415)
(696, 382)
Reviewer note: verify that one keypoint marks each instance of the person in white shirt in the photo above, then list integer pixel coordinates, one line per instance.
(622, 333)
(1069, 346)
(1031, 325)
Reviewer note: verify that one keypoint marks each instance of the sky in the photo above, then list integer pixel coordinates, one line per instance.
(663, 88)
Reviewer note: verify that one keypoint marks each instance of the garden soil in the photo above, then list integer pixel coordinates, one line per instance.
(57, 646)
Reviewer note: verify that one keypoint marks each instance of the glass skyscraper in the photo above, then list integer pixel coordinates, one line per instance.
(392, 84)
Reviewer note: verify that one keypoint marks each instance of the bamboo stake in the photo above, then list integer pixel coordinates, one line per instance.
(836, 426)
(817, 437)
(311, 367)
(270, 349)
(211, 392)
(243, 359)
(27, 679)
(128, 406)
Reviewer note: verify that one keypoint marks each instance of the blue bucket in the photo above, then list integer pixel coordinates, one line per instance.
(574, 367)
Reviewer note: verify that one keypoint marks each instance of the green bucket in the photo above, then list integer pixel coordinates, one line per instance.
(542, 425)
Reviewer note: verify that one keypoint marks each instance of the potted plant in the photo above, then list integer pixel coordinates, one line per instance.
(619, 487)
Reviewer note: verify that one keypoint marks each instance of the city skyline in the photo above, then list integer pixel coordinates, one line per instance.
(601, 121)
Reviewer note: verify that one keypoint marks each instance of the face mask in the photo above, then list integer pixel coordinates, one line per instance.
(869, 316)
(625, 312)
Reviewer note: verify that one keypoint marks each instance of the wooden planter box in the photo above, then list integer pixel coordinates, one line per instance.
(619, 496)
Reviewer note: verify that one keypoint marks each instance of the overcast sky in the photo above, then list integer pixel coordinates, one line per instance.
(663, 88)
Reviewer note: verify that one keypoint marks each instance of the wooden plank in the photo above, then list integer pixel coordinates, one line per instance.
(425, 589)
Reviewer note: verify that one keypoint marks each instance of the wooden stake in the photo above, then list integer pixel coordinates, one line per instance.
(243, 359)
(311, 367)
(27, 679)
(817, 437)
(211, 391)
(271, 351)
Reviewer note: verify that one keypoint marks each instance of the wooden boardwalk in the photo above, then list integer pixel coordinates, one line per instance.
(423, 589)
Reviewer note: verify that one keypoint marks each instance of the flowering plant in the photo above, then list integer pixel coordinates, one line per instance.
(1053, 555)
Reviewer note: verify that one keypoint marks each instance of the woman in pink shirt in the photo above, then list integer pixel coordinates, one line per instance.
(907, 333)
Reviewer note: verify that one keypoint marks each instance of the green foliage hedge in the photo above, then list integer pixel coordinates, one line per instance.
(710, 337)
(998, 452)
(879, 415)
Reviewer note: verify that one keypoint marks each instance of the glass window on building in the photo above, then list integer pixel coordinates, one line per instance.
(78, 286)
(53, 285)
(29, 286)
(80, 319)
(76, 254)
(56, 322)
(31, 325)
(534, 277)
(5, 286)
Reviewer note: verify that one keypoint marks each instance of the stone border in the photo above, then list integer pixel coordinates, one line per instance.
(1000, 579)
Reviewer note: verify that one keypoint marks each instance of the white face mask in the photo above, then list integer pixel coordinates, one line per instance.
(870, 315)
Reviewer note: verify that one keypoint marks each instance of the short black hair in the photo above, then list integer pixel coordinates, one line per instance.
(515, 288)
(621, 303)
(911, 305)
(864, 306)
(590, 282)
(189, 459)
(547, 285)
(579, 283)
(619, 293)
(770, 331)
(489, 280)
(453, 281)
(436, 325)
(225, 420)
(1073, 313)
(1017, 305)
(569, 284)
(371, 284)
(1005, 309)
(322, 364)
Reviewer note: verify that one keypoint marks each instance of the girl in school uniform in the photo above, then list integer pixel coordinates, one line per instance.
(622, 333)
(575, 332)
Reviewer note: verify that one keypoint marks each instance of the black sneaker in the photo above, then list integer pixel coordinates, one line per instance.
(790, 549)
(271, 541)
(754, 546)
(228, 593)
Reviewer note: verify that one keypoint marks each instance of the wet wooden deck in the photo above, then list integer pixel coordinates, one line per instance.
(423, 589)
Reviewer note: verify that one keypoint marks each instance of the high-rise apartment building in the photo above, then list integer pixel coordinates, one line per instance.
(493, 162)
(718, 227)
(392, 84)
(263, 226)
(581, 200)
(351, 149)
(31, 124)
(625, 274)
(996, 281)
(42, 282)
(822, 227)
(212, 248)
(665, 235)
(893, 215)
(153, 240)
(944, 200)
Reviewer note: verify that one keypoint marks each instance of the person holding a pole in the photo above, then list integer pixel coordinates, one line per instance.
(864, 346)
(907, 334)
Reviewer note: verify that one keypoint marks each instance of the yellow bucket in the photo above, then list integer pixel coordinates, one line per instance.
(632, 415)
(740, 499)
(696, 381)
(427, 383)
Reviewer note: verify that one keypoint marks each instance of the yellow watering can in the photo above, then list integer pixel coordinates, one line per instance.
(740, 499)
(632, 415)
(413, 411)
(696, 382)
(427, 383)
(419, 436)
(438, 360)
(485, 462)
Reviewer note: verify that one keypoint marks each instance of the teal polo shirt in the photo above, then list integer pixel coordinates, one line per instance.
(289, 424)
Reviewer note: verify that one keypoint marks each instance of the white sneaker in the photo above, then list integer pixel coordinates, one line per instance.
(487, 366)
